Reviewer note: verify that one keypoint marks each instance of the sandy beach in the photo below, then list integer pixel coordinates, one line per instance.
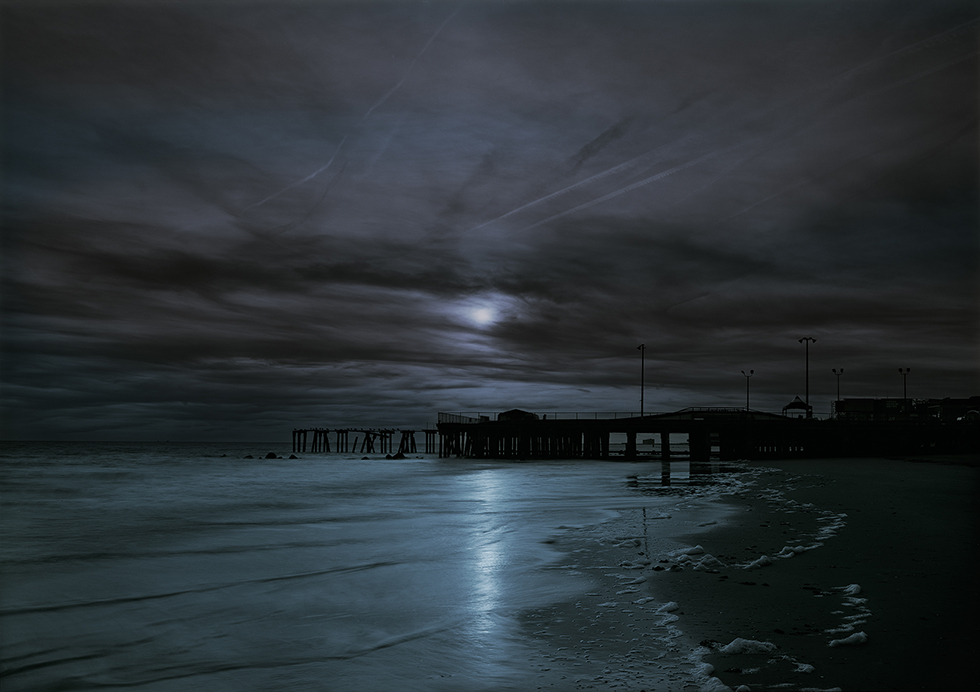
(844, 574)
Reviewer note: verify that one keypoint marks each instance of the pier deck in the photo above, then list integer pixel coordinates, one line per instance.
(725, 434)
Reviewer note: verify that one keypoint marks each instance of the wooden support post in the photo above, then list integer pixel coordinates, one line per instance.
(407, 444)
(665, 446)
(699, 443)
(631, 444)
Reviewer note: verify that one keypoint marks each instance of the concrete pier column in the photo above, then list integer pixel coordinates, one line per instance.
(631, 445)
(700, 445)
(665, 446)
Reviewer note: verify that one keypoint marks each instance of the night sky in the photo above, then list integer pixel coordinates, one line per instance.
(223, 220)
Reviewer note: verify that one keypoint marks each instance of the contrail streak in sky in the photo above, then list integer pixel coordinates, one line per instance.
(363, 118)
(639, 183)
(311, 176)
(894, 85)
(381, 151)
(850, 74)
(881, 89)
(632, 163)
(306, 217)
(825, 84)
(409, 70)
(911, 48)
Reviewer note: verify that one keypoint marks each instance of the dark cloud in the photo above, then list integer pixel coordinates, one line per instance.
(226, 219)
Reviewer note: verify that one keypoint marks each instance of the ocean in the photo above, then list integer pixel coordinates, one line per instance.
(175, 566)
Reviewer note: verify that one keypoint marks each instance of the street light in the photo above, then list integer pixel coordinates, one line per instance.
(751, 373)
(642, 349)
(834, 370)
(905, 379)
(807, 340)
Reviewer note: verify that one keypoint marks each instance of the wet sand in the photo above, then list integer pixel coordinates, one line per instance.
(906, 533)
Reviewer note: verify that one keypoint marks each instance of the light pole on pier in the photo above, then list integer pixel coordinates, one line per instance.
(838, 373)
(747, 376)
(807, 340)
(905, 379)
(641, 348)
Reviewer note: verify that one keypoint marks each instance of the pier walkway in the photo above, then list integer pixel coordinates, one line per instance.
(720, 433)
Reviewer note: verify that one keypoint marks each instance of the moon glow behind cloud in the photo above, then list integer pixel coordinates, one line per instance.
(229, 219)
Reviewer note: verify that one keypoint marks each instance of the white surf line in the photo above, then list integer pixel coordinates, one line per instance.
(311, 176)
(418, 55)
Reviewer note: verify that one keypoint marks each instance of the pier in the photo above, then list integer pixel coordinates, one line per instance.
(857, 427)
(369, 440)
(725, 434)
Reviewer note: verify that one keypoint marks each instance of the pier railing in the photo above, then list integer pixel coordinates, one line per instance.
(487, 417)
(484, 417)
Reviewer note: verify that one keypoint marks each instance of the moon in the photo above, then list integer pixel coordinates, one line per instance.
(483, 315)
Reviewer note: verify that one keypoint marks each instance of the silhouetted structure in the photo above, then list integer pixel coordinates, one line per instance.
(859, 427)
(722, 433)
(372, 440)
(922, 410)
(515, 414)
(797, 404)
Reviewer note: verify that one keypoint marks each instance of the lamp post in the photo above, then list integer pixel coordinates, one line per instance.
(642, 349)
(806, 340)
(905, 379)
(750, 373)
(838, 373)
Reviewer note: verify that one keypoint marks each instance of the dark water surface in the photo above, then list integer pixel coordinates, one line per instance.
(170, 567)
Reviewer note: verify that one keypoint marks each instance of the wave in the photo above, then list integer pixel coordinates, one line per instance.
(203, 589)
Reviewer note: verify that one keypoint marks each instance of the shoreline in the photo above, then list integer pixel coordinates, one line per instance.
(904, 532)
